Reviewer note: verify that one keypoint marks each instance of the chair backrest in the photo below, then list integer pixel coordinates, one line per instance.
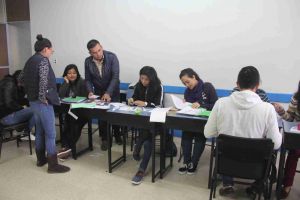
(243, 157)
(290, 140)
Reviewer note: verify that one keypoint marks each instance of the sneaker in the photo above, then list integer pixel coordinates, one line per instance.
(226, 190)
(138, 177)
(32, 137)
(183, 170)
(104, 145)
(64, 153)
(191, 169)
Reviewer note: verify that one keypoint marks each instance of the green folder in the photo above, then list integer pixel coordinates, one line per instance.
(74, 100)
(83, 105)
(204, 113)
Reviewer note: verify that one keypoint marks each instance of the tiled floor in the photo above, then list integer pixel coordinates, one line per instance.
(88, 179)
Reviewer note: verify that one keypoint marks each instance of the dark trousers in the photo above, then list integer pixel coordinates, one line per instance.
(72, 130)
(103, 130)
(187, 143)
(144, 139)
(290, 167)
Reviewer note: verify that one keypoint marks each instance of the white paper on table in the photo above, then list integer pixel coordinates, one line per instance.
(190, 111)
(159, 114)
(116, 104)
(104, 107)
(179, 103)
(294, 129)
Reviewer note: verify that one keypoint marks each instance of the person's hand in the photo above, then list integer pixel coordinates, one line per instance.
(130, 101)
(106, 97)
(139, 103)
(66, 79)
(196, 105)
(278, 107)
(91, 94)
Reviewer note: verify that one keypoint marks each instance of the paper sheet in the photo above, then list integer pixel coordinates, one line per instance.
(179, 103)
(193, 111)
(159, 115)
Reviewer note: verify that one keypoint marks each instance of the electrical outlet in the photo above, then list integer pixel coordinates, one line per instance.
(55, 61)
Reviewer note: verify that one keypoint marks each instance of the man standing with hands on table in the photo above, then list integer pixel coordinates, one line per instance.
(102, 78)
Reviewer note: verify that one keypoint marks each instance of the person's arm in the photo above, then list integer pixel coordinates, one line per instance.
(10, 96)
(43, 75)
(272, 131)
(88, 77)
(212, 96)
(83, 89)
(288, 115)
(210, 129)
(156, 100)
(64, 89)
(115, 76)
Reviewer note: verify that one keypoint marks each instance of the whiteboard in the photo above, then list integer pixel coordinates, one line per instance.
(214, 37)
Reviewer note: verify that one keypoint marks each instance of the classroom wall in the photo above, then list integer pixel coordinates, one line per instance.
(19, 44)
(215, 37)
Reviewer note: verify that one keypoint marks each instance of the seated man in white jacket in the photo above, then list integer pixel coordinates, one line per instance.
(243, 114)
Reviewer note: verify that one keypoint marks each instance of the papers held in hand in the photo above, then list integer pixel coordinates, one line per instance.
(179, 103)
(186, 108)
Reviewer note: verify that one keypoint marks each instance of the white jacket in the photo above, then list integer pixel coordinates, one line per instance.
(244, 114)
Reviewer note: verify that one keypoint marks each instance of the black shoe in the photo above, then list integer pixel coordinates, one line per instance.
(191, 169)
(183, 169)
(119, 140)
(104, 145)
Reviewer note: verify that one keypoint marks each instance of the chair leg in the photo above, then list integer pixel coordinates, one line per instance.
(1, 140)
(29, 141)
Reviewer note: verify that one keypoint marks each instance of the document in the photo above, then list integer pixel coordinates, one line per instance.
(179, 103)
(159, 115)
(194, 111)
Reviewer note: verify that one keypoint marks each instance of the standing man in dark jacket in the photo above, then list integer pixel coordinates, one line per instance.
(102, 78)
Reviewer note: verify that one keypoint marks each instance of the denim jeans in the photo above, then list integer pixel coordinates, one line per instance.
(45, 132)
(187, 143)
(18, 117)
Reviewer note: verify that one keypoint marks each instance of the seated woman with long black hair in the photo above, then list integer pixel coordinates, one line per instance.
(72, 86)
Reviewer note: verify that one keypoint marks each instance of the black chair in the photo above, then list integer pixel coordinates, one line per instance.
(6, 134)
(244, 158)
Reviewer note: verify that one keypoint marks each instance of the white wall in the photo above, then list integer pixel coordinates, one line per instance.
(19, 44)
(2, 12)
(215, 37)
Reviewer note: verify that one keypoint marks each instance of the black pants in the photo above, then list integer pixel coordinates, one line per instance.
(103, 130)
(72, 130)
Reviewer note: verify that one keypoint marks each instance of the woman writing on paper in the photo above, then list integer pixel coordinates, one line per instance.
(292, 114)
(202, 95)
(147, 93)
(72, 86)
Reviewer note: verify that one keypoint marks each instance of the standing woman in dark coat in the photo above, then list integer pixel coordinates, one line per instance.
(72, 86)
(40, 86)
